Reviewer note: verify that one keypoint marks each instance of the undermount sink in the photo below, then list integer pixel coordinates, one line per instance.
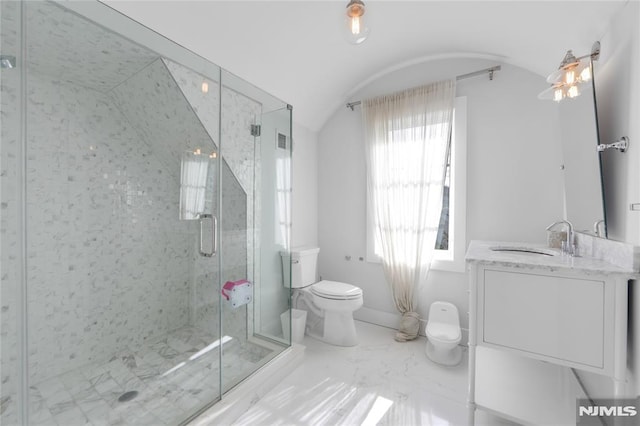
(524, 250)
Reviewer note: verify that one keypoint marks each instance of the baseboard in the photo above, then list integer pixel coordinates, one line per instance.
(392, 320)
(243, 396)
(373, 316)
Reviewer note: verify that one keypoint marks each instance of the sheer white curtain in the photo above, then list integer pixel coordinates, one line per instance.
(407, 137)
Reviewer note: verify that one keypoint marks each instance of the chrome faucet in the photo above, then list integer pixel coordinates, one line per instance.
(599, 229)
(568, 247)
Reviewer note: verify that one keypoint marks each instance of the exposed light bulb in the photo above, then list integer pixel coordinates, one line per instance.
(355, 25)
(205, 87)
(570, 76)
(573, 92)
(585, 75)
(356, 31)
(558, 94)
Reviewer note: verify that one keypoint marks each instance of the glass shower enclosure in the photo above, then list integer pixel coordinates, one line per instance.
(145, 203)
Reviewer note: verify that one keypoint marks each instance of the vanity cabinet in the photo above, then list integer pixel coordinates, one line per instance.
(557, 318)
(567, 312)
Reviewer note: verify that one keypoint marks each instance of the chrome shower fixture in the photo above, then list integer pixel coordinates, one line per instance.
(7, 61)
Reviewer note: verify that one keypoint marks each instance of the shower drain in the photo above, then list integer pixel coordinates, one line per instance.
(128, 396)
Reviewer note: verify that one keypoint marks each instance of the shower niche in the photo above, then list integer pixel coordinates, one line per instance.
(121, 165)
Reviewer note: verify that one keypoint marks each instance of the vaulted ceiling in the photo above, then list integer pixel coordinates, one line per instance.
(295, 50)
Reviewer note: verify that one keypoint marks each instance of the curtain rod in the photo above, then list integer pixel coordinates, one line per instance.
(490, 71)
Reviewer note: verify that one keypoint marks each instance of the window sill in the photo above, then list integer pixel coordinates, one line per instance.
(448, 265)
(440, 262)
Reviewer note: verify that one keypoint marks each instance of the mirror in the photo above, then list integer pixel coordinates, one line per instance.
(584, 197)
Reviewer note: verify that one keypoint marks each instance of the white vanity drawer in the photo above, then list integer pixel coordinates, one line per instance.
(548, 316)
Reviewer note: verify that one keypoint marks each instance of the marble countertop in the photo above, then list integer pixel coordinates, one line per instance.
(480, 252)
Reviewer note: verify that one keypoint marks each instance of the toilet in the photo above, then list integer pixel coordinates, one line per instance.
(443, 334)
(329, 304)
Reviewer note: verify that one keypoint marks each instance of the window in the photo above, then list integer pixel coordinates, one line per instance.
(451, 239)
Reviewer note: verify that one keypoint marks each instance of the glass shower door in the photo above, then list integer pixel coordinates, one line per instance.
(251, 240)
(273, 178)
(121, 207)
(141, 186)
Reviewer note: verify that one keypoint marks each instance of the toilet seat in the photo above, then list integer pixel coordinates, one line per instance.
(443, 332)
(329, 304)
(336, 290)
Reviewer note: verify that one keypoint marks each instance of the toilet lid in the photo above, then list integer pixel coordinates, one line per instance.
(336, 290)
(443, 331)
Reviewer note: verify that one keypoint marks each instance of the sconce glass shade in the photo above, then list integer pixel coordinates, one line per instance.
(565, 81)
(558, 94)
(573, 91)
(578, 71)
(356, 30)
(555, 92)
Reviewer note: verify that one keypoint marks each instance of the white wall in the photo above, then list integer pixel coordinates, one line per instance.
(305, 187)
(618, 96)
(514, 182)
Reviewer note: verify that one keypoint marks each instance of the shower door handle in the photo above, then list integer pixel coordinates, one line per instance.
(214, 229)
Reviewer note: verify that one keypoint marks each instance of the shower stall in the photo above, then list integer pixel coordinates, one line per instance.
(145, 201)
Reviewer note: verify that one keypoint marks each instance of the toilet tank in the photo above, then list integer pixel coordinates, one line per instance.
(304, 266)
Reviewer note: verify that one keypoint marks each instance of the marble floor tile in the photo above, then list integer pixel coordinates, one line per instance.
(170, 380)
(378, 382)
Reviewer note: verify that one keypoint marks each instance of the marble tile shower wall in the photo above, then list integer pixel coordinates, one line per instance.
(108, 261)
(205, 303)
(109, 264)
(243, 156)
(240, 197)
(144, 98)
(233, 248)
(206, 106)
(9, 236)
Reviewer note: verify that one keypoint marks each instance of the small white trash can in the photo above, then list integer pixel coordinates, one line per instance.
(298, 323)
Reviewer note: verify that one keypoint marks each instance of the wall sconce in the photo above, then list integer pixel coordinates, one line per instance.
(572, 72)
(357, 30)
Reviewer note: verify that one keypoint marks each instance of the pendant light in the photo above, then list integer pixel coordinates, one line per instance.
(356, 28)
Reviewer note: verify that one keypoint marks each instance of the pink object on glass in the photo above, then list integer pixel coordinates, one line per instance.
(238, 292)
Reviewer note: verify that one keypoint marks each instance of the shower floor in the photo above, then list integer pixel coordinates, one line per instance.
(173, 376)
